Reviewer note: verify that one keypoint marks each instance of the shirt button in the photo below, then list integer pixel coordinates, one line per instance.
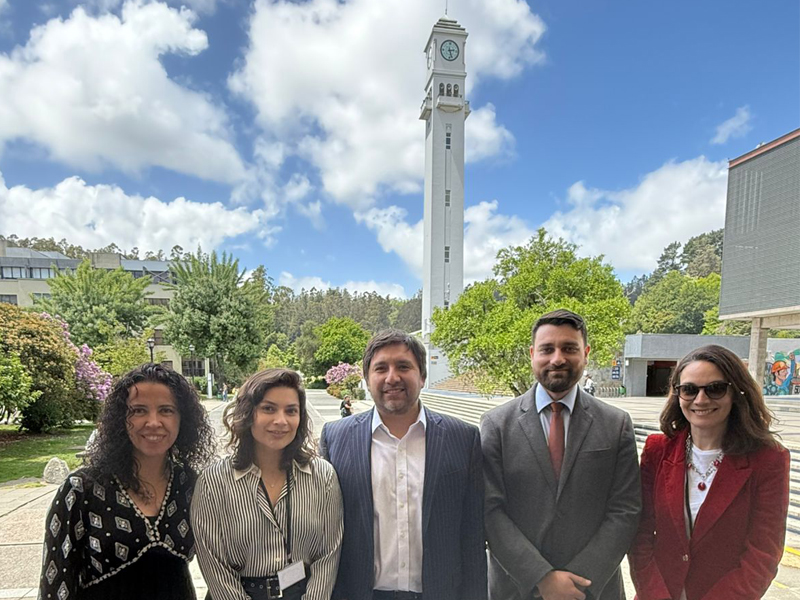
(402, 564)
(685, 558)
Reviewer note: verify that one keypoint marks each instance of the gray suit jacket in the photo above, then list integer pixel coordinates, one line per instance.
(584, 523)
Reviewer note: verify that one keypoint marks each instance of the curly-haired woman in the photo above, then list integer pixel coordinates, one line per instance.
(715, 488)
(119, 526)
(268, 519)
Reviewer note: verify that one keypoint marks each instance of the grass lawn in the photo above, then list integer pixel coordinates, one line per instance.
(26, 454)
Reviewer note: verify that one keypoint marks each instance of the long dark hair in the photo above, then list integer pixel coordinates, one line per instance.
(750, 420)
(111, 453)
(238, 419)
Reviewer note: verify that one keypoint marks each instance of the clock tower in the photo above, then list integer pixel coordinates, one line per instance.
(444, 111)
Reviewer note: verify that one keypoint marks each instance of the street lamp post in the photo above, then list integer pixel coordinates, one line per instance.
(151, 343)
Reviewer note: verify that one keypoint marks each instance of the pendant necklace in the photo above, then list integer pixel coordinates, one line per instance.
(711, 468)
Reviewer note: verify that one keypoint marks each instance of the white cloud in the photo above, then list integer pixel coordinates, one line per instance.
(199, 6)
(631, 227)
(93, 92)
(306, 283)
(96, 215)
(485, 233)
(341, 83)
(3, 6)
(735, 127)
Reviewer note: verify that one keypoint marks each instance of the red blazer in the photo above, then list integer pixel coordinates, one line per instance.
(738, 536)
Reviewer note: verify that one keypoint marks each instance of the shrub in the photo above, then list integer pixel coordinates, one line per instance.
(39, 342)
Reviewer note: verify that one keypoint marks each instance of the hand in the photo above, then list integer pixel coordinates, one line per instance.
(563, 585)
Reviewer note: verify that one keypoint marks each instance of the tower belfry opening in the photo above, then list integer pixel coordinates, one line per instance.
(444, 111)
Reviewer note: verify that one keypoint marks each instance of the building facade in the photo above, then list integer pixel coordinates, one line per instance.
(25, 275)
(650, 359)
(444, 111)
(760, 274)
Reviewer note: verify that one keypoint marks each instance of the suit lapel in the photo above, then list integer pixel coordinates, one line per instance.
(732, 474)
(531, 425)
(673, 472)
(362, 460)
(580, 421)
(434, 440)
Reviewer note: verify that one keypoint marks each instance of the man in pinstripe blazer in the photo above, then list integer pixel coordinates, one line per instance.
(412, 486)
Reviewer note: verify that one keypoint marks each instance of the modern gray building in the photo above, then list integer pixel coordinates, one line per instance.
(761, 253)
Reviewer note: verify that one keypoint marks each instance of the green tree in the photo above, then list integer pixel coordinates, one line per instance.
(487, 332)
(277, 358)
(15, 384)
(712, 325)
(44, 352)
(340, 340)
(676, 304)
(699, 250)
(123, 354)
(99, 305)
(668, 262)
(409, 315)
(213, 310)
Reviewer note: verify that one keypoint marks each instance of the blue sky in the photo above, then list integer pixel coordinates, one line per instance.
(286, 133)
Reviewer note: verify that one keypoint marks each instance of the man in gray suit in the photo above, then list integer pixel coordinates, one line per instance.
(562, 479)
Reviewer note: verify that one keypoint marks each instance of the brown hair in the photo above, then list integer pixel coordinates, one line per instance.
(749, 421)
(561, 317)
(390, 337)
(238, 419)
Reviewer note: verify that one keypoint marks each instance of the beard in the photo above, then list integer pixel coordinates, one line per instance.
(558, 380)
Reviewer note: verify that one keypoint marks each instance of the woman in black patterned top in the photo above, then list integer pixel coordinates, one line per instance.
(119, 527)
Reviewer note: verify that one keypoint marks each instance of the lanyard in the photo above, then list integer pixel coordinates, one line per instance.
(287, 538)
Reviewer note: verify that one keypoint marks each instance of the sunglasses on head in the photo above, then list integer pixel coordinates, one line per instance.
(714, 390)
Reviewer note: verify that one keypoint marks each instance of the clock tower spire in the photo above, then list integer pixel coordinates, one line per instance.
(444, 111)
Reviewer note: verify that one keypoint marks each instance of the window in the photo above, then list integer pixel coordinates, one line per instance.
(14, 272)
(441, 89)
(158, 336)
(8, 298)
(455, 90)
(447, 254)
(158, 301)
(449, 89)
(447, 140)
(41, 296)
(162, 277)
(40, 273)
(193, 367)
(447, 197)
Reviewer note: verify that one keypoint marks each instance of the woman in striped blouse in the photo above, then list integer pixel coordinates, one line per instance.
(268, 519)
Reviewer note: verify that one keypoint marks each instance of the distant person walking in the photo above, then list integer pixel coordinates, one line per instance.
(224, 392)
(346, 407)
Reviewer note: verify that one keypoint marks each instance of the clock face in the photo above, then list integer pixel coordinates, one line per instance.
(449, 50)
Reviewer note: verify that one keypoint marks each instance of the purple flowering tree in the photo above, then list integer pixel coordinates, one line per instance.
(344, 379)
(92, 383)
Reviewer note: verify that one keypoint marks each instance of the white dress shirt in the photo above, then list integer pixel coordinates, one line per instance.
(398, 477)
(543, 401)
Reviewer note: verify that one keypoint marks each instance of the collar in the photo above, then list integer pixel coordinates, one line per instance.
(377, 421)
(543, 399)
(253, 468)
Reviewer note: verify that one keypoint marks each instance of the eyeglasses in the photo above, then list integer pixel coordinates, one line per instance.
(714, 390)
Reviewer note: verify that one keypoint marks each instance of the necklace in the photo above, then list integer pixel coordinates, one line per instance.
(711, 468)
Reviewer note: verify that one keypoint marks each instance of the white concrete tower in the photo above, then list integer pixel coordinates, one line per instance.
(444, 111)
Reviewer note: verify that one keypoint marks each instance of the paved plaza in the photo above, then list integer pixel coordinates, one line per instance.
(23, 507)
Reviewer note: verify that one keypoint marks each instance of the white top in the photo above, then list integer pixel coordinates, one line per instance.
(701, 459)
(237, 532)
(543, 401)
(398, 477)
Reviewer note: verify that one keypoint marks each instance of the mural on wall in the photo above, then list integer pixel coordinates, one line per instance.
(782, 372)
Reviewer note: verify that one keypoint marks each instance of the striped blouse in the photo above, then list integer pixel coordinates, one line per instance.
(238, 535)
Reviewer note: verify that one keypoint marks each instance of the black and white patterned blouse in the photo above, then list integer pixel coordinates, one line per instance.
(95, 530)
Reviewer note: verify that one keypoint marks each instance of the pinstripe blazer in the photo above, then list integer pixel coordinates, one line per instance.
(453, 546)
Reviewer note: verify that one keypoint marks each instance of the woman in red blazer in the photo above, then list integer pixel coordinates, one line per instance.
(715, 488)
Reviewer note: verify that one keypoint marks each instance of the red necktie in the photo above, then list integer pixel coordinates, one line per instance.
(556, 441)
